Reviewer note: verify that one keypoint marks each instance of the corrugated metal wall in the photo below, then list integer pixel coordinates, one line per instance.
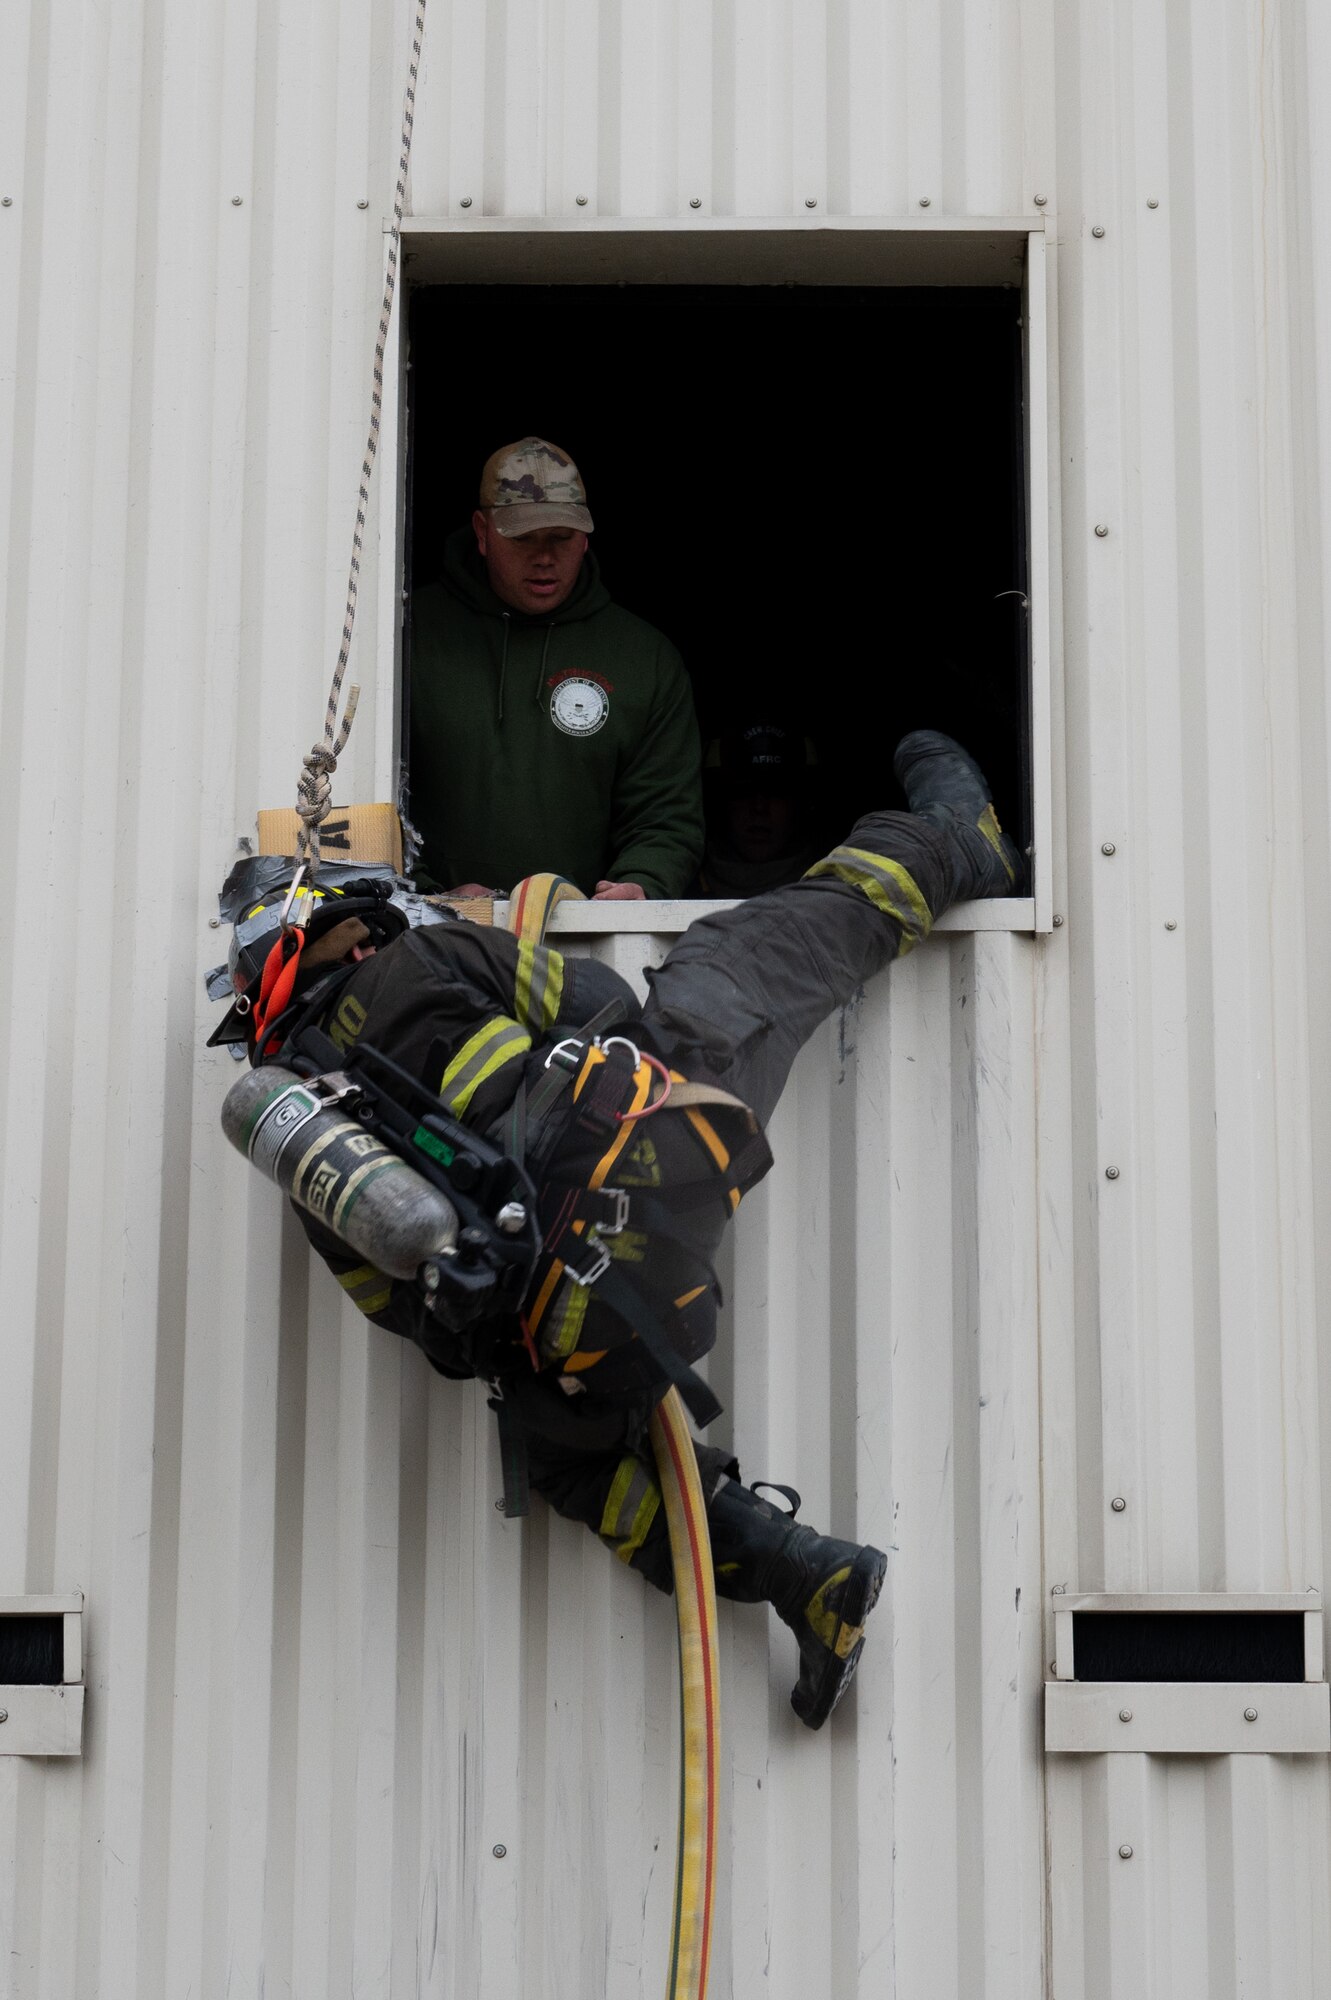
(326, 1680)
(1185, 1026)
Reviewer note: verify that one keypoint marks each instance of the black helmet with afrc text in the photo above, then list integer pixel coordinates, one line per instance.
(765, 754)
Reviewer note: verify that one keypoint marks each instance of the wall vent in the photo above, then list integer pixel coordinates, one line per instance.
(1187, 1675)
(41, 1676)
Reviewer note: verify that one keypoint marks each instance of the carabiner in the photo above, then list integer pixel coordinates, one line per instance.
(285, 922)
(610, 1041)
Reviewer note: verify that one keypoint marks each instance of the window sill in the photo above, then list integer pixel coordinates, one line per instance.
(668, 919)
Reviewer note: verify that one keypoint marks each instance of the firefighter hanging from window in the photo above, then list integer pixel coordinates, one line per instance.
(579, 1157)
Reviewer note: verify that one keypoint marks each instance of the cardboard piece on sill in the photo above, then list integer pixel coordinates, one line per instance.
(476, 909)
(350, 833)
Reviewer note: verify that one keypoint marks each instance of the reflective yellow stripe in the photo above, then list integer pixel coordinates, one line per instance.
(539, 985)
(472, 1047)
(630, 1508)
(889, 887)
(350, 1279)
(827, 1624)
(626, 1472)
(993, 833)
(368, 1289)
(501, 1040)
(642, 1521)
(564, 1330)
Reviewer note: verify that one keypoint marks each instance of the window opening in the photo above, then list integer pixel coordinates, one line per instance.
(816, 492)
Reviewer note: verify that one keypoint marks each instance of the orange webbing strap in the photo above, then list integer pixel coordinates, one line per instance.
(699, 1682)
(278, 981)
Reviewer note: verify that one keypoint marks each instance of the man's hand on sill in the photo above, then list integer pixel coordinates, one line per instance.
(605, 892)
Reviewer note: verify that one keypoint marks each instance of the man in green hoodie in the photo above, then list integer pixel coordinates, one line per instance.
(550, 731)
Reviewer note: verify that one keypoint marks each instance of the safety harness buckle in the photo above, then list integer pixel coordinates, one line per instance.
(336, 1087)
(597, 1268)
(567, 1054)
(619, 1213)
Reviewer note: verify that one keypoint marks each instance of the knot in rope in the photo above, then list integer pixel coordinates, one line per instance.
(314, 787)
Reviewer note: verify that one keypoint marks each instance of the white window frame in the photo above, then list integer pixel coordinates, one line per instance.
(721, 249)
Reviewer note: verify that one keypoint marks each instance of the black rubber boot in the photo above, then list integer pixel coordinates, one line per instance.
(823, 1589)
(944, 785)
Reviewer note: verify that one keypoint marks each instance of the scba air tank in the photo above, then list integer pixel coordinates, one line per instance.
(343, 1176)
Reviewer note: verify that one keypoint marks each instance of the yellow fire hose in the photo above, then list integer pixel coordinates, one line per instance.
(699, 1687)
(695, 1600)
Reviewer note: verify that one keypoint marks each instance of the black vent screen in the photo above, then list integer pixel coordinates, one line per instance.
(1187, 1645)
(32, 1650)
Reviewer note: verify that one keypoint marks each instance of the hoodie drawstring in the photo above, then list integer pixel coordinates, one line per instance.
(503, 662)
(507, 623)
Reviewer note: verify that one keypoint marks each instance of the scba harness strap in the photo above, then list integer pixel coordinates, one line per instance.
(594, 1091)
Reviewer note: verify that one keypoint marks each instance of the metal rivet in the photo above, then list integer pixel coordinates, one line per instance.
(1118, 1503)
(499, 1504)
(1152, 202)
(1108, 847)
(811, 201)
(1058, 923)
(4, 1715)
(1111, 1173)
(362, 204)
(465, 201)
(1041, 200)
(696, 202)
(926, 200)
(1102, 529)
(499, 1850)
(236, 200)
(1250, 1715)
(1098, 229)
(7, 201)
(1058, 1590)
(1125, 1715)
(581, 200)
(1125, 1852)
(1170, 925)
(214, 923)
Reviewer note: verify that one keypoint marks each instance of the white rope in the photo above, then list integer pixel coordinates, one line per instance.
(314, 793)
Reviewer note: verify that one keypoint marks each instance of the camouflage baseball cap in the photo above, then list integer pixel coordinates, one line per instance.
(532, 485)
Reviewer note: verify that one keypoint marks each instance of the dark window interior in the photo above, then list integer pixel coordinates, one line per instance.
(815, 492)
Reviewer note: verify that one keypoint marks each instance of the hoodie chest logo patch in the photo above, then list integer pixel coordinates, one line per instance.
(579, 706)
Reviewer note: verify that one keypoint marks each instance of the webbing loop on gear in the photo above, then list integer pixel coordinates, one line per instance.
(314, 789)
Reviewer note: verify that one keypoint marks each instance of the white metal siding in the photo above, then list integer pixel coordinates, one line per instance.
(326, 1679)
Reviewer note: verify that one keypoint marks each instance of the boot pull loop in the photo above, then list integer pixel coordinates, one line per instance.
(761, 1486)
